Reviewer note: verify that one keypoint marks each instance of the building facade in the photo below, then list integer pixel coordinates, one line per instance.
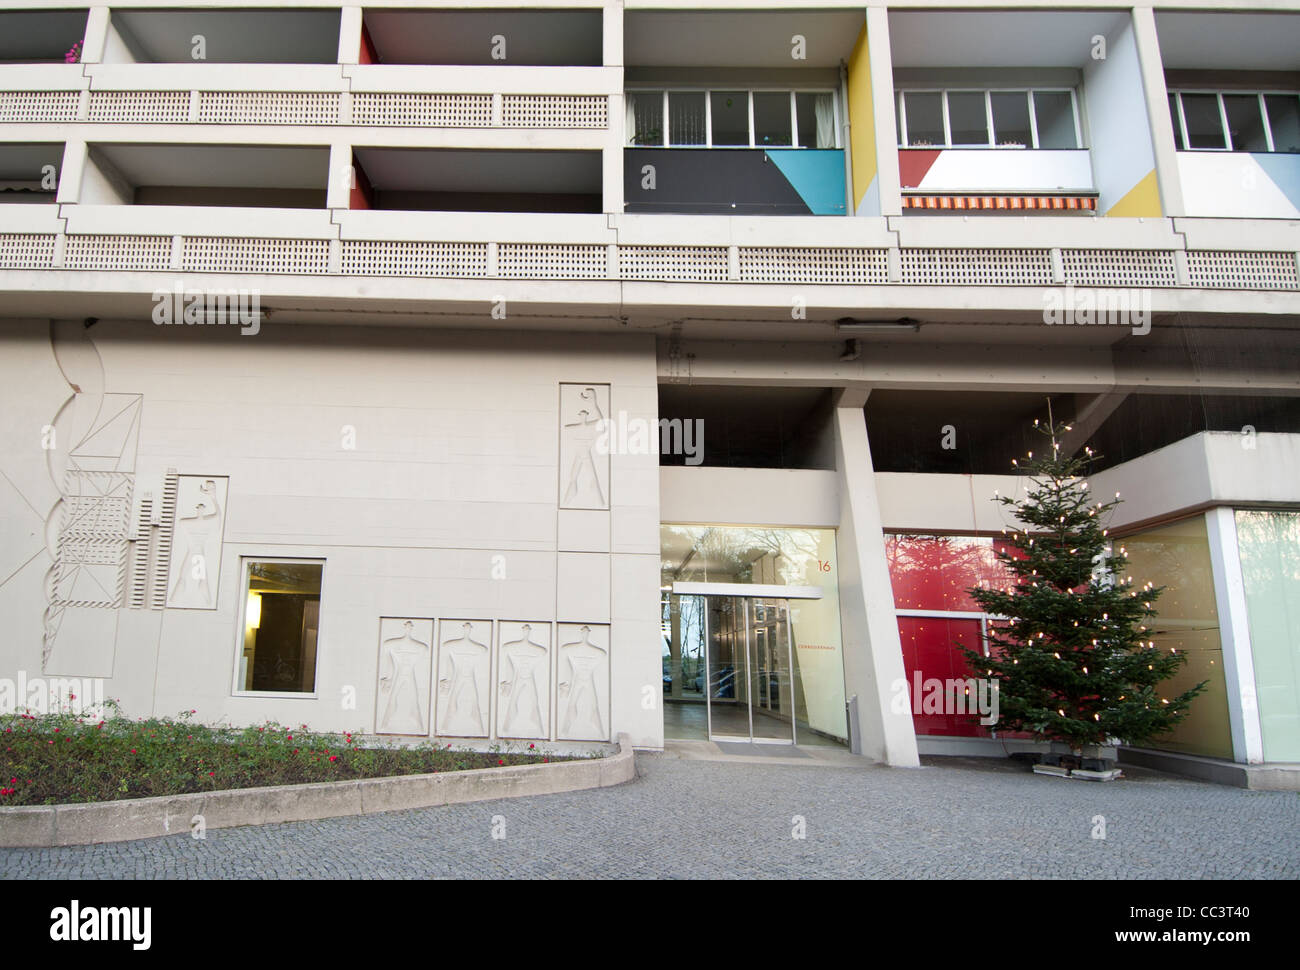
(491, 373)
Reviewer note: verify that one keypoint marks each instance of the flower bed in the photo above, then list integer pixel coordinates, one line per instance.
(60, 758)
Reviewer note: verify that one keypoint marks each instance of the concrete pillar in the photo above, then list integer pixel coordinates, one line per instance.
(882, 102)
(1157, 102)
(873, 655)
(349, 35)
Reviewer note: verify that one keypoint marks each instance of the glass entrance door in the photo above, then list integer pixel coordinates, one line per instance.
(748, 663)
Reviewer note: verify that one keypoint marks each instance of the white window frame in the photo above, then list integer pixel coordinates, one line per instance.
(1260, 95)
(245, 567)
(749, 92)
(943, 92)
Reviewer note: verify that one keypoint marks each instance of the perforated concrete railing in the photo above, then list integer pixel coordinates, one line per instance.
(423, 110)
(674, 264)
(47, 106)
(268, 108)
(221, 254)
(552, 261)
(555, 111)
(787, 264)
(152, 107)
(833, 266)
(384, 109)
(453, 260)
(1119, 267)
(1242, 271)
(26, 250)
(118, 252)
(975, 267)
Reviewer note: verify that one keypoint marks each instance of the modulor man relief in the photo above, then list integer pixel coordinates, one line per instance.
(584, 463)
(403, 702)
(196, 542)
(524, 680)
(464, 678)
(582, 693)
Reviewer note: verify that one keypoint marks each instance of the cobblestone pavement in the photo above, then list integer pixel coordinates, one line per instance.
(690, 818)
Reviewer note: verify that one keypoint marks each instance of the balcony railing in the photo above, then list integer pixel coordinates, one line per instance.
(370, 108)
(662, 263)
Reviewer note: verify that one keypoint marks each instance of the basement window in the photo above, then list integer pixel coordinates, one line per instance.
(279, 626)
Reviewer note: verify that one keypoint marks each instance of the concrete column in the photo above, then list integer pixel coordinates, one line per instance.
(97, 27)
(1234, 636)
(341, 177)
(349, 35)
(882, 103)
(873, 655)
(1157, 101)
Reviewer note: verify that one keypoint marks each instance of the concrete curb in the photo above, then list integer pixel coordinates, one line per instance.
(39, 826)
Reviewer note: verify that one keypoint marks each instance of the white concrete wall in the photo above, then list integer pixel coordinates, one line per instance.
(455, 463)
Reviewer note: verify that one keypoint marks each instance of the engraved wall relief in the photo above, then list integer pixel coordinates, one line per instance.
(403, 702)
(582, 693)
(92, 464)
(464, 678)
(524, 680)
(196, 542)
(584, 463)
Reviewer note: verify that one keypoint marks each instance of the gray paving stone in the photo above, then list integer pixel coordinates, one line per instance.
(685, 818)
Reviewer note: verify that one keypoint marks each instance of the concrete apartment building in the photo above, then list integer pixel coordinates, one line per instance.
(340, 344)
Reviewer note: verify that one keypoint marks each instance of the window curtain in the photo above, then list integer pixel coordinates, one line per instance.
(629, 100)
(824, 108)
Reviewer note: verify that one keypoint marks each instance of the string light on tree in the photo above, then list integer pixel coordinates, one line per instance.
(1073, 615)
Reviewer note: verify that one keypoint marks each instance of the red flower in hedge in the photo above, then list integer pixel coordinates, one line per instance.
(334, 757)
(133, 750)
(500, 762)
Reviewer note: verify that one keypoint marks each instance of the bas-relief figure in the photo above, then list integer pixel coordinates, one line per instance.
(196, 542)
(464, 673)
(583, 690)
(523, 677)
(405, 661)
(584, 465)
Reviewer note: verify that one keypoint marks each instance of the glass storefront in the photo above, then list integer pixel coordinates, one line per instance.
(1269, 545)
(930, 576)
(1177, 557)
(762, 667)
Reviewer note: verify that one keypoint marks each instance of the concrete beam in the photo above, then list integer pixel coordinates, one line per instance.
(1090, 413)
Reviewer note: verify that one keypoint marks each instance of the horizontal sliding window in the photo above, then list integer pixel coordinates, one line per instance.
(988, 119)
(1235, 121)
(731, 119)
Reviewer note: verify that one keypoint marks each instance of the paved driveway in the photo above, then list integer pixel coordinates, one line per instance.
(685, 817)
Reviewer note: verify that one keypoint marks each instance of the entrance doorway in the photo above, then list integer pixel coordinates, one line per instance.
(730, 672)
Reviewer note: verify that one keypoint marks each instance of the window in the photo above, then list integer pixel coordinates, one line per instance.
(731, 119)
(988, 119)
(1235, 121)
(280, 621)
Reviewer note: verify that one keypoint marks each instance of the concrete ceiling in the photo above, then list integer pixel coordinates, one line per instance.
(225, 166)
(23, 163)
(39, 35)
(954, 39)
(741, 38)
(1229, 41)
(532, 37)
(232, 36)
(455, 170)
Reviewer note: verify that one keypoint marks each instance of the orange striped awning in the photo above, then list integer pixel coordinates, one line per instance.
(1078, 202)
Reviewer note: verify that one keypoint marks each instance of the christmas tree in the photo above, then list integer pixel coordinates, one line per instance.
(1073, 658)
